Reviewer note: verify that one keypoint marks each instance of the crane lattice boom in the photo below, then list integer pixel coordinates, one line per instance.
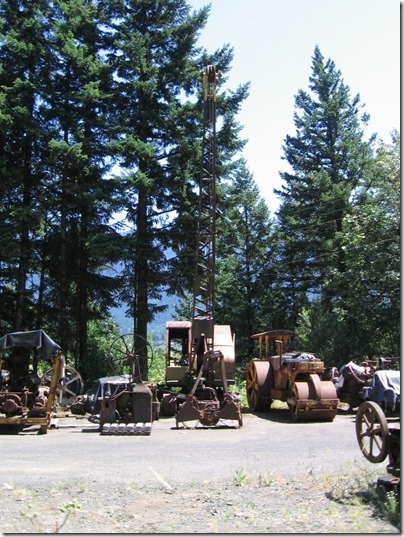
(204, 280)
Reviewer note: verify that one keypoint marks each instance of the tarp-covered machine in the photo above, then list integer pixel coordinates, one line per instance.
(24, 399)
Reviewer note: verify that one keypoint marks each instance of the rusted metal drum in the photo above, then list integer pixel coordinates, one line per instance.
(313, 399)
(259, 382)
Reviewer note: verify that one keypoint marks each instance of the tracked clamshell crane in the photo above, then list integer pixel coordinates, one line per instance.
(207, 364)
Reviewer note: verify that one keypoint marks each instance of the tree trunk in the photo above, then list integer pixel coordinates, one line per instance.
(141, 306)
(19, 322)
(82, 295)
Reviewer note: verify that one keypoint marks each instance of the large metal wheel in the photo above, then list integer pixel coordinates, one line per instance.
(372, 432)
(308, 391)
(124, 348)
(259, 382)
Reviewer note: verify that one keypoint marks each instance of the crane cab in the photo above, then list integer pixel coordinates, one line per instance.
(181, 364)
(178, 351)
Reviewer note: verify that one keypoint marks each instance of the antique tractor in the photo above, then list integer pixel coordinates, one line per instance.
(291, 377)
(353, 380)
(378, 425)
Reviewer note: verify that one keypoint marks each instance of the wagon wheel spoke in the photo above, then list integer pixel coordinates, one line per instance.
(74, 384)
(375, 443)
(373, 429)
(372, 432)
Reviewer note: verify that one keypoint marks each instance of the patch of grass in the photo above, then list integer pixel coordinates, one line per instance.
(66, 485)
(265, 480)
(241, 478)
(32, 517)
(68, 509)
(83, 488)
(21, 493)
(387, 502)
(359, 488)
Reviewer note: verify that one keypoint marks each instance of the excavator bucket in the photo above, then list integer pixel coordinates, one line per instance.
(202, 404)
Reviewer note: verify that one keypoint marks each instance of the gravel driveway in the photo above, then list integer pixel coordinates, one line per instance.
(270, 476)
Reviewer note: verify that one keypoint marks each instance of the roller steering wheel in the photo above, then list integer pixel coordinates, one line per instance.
(123, 350)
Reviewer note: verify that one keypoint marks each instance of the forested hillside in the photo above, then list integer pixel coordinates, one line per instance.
(101, 116)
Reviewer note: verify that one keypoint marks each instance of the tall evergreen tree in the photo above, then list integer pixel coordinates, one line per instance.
(328, 158)
(53, 109)
(371, 241)
(77, 106)
(364, 320)
(151, 53)
(23, 144)
(157, 73)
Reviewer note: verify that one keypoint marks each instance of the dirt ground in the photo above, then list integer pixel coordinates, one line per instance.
(277, 506)
(60, 491)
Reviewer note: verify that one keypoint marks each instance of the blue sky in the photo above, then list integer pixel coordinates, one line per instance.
(273, 43)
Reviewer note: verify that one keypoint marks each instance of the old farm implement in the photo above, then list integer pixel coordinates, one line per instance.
(378, 425)
(123, 403)
(291, 377)
(202, 373)
(26, 398)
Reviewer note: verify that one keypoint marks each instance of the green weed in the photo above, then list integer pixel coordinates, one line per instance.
(265, 480)
(68, 509)
(241, 478)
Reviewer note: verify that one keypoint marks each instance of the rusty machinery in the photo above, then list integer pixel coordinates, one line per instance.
(200, 355)
(124, 403)
(205, 362)
(377, 426)
(291, 377)
(25, 397)
(353, 380)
